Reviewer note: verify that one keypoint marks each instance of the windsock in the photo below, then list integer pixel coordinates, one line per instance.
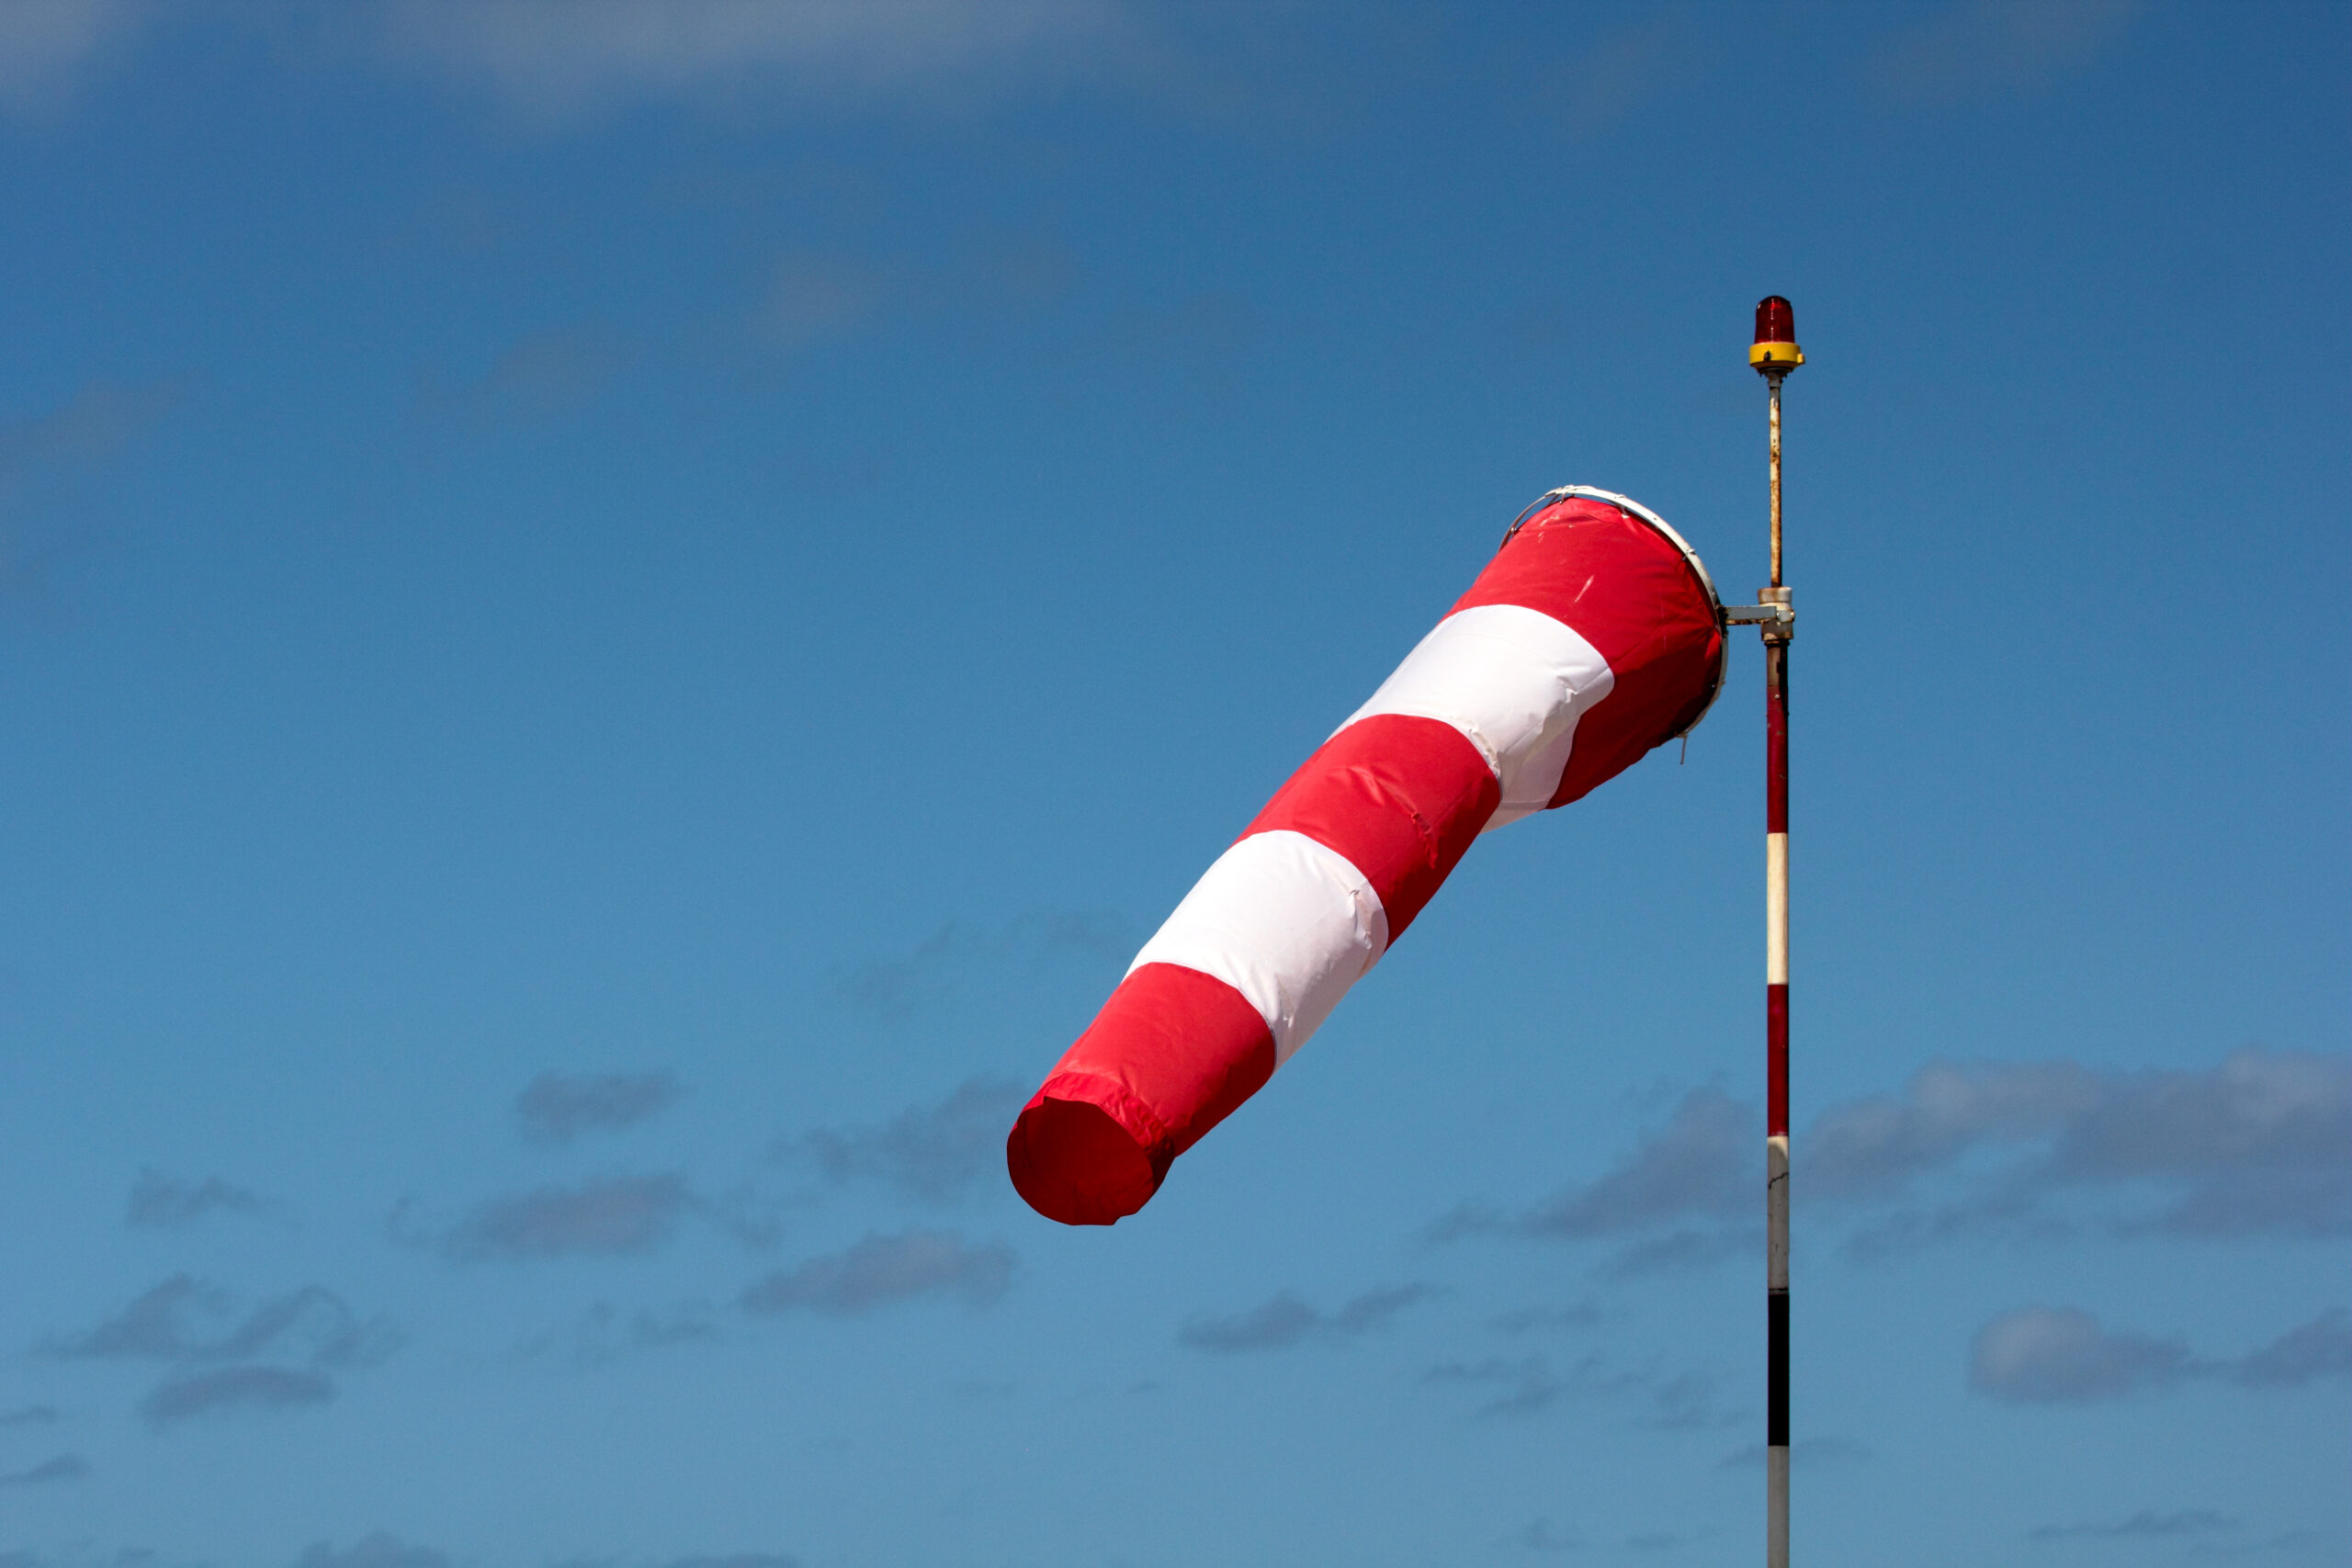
(1592, 637)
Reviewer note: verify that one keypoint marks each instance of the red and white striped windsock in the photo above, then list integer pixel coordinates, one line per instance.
(1592, 637)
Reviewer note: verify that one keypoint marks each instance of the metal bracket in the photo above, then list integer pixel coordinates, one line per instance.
(1773, 614)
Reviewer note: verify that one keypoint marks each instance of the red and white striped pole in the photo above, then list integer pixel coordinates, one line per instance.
(1776, 354)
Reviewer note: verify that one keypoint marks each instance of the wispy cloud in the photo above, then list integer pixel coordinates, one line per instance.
(30, 1416)
(1539, 1536)
(541, 373)
(1283, 1320)
(2251, 1147)
(373, 1551)
(184, 1319)
(287, 1347)
(1688, 1190)
(894, 989)
(230, 1388)
(2320, 1349)
(2148, 1524)
(556, 1108)
(45, 46)
(1982, 48)
(813, 295)
(1698, 1164)
(883, 1269)
(606, 1333)
(38, 451)
(1529, 1385)
(1601, 85)
(162, 1202)
(64, 1467)
(933, 1153)
(97, 422)
(723, 1560)
(615, 1216)
(554, 59)
(2043, 1355)
(960, 287)
(1583, 1314)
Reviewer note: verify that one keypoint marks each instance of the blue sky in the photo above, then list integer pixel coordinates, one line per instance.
(613, 620)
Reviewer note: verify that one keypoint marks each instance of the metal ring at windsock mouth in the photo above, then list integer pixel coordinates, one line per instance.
(1635, 509)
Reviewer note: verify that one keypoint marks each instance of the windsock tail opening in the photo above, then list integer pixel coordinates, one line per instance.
(1071, 1161)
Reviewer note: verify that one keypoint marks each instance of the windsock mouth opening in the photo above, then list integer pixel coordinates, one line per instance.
(1643, 515)
(1071, 1161)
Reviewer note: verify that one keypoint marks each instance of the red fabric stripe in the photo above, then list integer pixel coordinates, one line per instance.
(1402, 797)
(1776, 1061)
(1626, 589)
(1170, 1054)
(1776, 739)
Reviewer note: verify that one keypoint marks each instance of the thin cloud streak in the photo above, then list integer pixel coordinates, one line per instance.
(604, 1334)
(558, 59)
(2148, 1524)
(97, 422)
(169, 1322)
(2320, 1349)
(556, 1108)
(1283, 1320)
(2251, 1147)
(933, 1154)
(618, 1216)
(883, 1269)
(895, 989)
(376, 1550)
(158, 1202)
(44, 46)
(262, 1388)
(1681, 1401)
(1985, 48)
(42, 451)
(541, 374)
(1702, 1166)
(1585, 1314)
(2043, 1355)
(285, 1347)
(64, 1467)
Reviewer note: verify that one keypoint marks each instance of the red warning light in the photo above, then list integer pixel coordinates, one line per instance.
(1775, 352)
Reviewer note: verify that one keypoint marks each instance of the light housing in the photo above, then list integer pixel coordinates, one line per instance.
(1775, 352)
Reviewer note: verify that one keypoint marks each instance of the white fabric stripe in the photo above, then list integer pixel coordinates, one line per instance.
(1514, 680)
(1776, 909)
(1289, 924)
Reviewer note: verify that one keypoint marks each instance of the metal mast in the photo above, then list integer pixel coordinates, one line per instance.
(1776, 354)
